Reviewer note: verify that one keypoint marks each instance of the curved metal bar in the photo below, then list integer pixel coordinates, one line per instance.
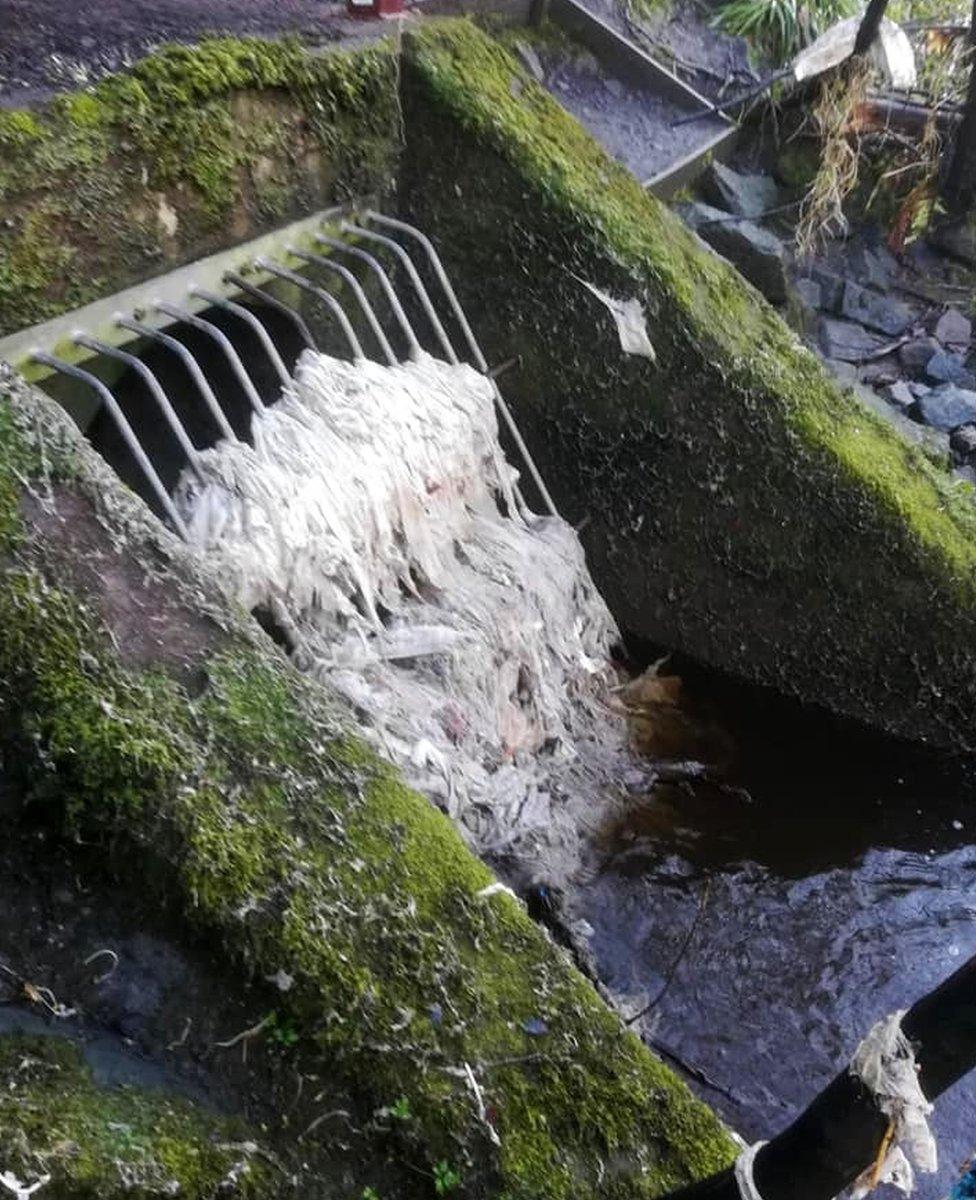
(130, 439)
(479, 358)
(376, 267)
(320, 260)
(250, 289)
(222, 340)
(321, 295)
(404, 258)
(154, 386)
(191, 365)
(249, 319)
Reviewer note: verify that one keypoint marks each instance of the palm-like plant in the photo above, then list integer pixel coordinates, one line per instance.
(781, 28)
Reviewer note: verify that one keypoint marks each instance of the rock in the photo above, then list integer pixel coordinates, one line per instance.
(757, 253)
(615, 88)
(875, 310)
(875, 266)
(944, 367)
(900, 395)
(914, 355)
(843, 372)
(882, 371)
(935, 444)
(847, 340)
(831, 289)
(809, 293)
(919, 390)
(947, 407)
(965, 474)
(531, 61)
(744, 195)
(963, 440)
(953, 329)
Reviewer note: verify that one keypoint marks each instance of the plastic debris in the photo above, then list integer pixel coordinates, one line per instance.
(885, 1064)
(744, 1177)
(630, 320)
(369, 519)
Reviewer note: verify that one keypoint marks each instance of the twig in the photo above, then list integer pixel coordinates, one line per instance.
(181, 1040)
(479, 1101)
(702, 904)
(247, 1034)
(326, 1116)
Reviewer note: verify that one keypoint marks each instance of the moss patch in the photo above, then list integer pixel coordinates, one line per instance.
(297, 850)
(82, 179)
(741, 507)
(113, 1142)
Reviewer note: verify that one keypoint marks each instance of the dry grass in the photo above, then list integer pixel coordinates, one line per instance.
(822, 212)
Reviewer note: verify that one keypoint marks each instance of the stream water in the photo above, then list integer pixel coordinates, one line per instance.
(838, 886)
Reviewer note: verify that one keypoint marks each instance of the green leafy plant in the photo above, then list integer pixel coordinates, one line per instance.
(781, 28)
(370, 1193)
(283, 1030)
(401, 1109)
(446, 1178)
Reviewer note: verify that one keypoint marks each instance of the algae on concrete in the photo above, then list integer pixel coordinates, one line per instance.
(114, 1142)
(739, 506)
(188, 745)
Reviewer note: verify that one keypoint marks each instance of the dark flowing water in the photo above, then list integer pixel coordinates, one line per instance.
(839, 885)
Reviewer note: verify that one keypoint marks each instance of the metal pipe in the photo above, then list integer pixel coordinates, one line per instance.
(480, 361)
(130, 439)
(404, 258)
(222, 340)
(355, 287)
(273, 302)
(249, 319)
(321, 295)
(191, 365)
(155, 388)
(376, 267)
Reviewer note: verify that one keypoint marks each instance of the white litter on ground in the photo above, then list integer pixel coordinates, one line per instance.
(885, 1064)
(474, 647)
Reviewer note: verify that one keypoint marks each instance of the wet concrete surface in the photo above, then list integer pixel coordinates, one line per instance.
(839, 886)
(635, 126)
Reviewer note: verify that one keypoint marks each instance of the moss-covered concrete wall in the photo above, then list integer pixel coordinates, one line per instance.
(193, 149)
(737, 504)
(140, 709)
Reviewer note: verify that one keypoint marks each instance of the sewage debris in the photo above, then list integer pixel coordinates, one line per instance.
(374, 519)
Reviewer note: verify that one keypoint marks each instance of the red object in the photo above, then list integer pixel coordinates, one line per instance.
(367, 9)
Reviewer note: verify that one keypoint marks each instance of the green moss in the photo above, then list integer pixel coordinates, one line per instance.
(296, 849)
(19, 129)
(174, 124)
(111, 1142)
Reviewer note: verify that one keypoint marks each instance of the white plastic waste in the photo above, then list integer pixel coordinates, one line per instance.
(473, 646)
(885, 1064)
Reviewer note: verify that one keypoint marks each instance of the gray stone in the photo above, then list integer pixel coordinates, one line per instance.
(953, 329)
(808, 292)
(919, 390)
(882, 371)
(744, 195)
(944, 367)
(531, 61)
(965, 474)
(831, 288)
(875, 310)
(843, 372)
(935, 444)
(900, 395)
(847, 340)
(615, 88)
(963, 440)
(947, 407)
(758, 254)
(875, 267)
(914, 355)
